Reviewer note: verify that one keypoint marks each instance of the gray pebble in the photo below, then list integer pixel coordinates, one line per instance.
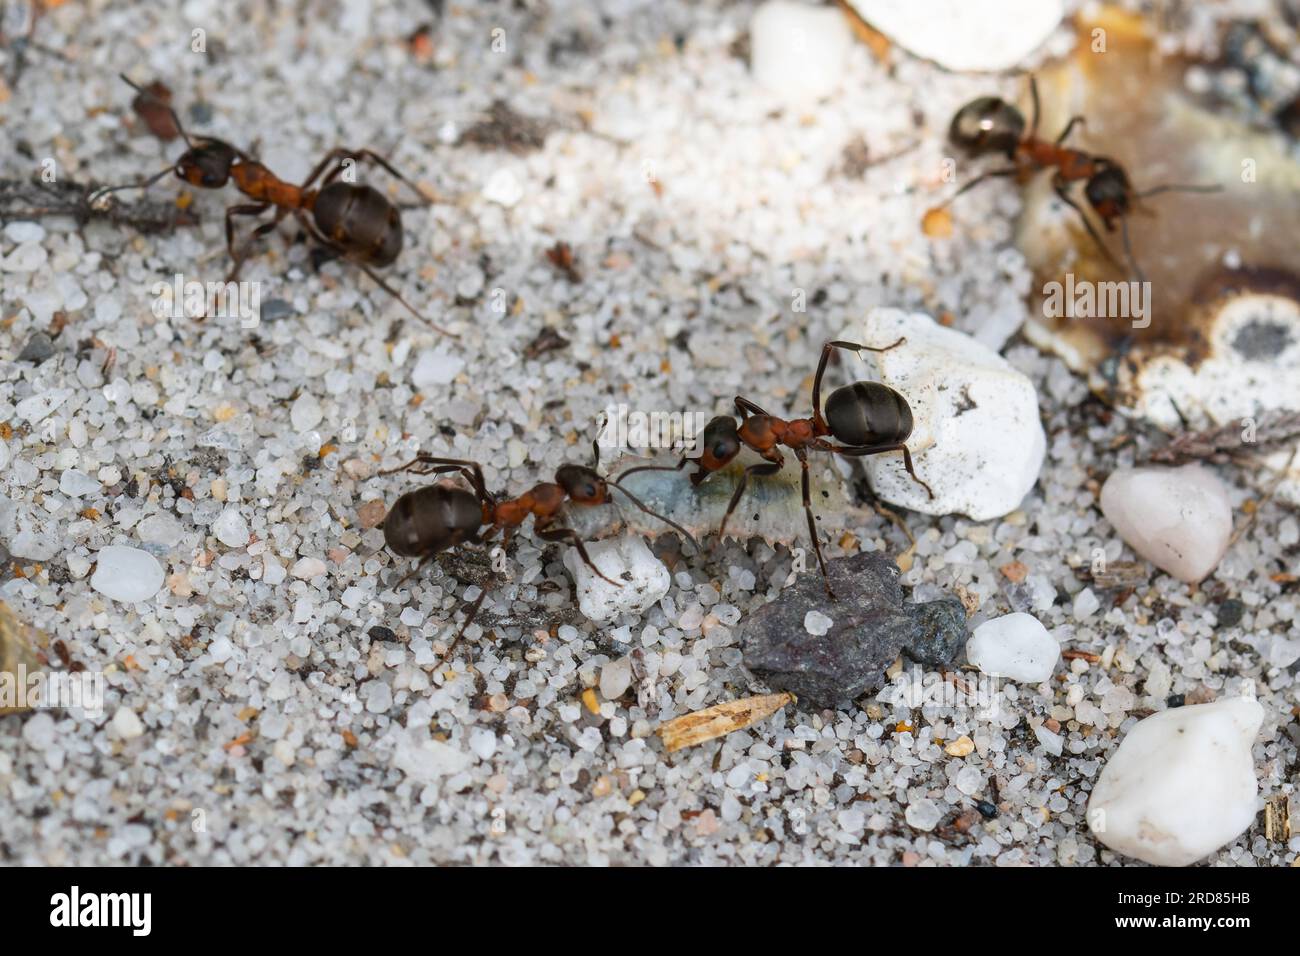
(870, 626)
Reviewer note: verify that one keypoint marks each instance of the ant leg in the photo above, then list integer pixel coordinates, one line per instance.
(316, 234)
(812, 523)
(248, 209)
(745, 407)
(1033, 96)
(469, 619)
(907, 463)
(762, 468)
(990, 174)
(570, 537)
(339, 153)
(470, 469)
(821, 370)
(415, 570)
(861, 451)
(1074, 121)
(1061, 188)
(393, 292)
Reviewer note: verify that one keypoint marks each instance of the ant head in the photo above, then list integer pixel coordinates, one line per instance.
(582, 484)
(1109, 191)
(207, 164)
(721, 442)
(987, 125)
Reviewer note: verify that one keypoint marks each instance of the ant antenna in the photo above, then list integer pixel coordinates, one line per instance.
(1128, 251)
(1180, 188)
(100, 193)
(640, 504)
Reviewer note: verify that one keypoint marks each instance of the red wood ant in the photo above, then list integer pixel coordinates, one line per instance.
(435, 518)
(990, 125)
(866, 418)
(354, 221)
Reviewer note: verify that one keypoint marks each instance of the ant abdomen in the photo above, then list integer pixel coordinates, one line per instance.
(987, 125)
(432, 519)
(360, 219)
(868, 413)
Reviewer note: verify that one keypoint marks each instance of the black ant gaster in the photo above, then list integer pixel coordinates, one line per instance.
(435, 518)
(992, 126)
(866, 418)
(352, 220)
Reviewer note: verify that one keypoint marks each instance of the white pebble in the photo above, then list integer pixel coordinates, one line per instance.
(642, 577)
(922, 814)
(1179, 519)
(425, 760)
(1015, 646)
(1085, 604)
(27, 257)
(24, 232)
(273, 572)
(308, 568)
(976, 436)
(435, 367)
(78, 484)
(127, 723)
(306, 413)
(797, 50)
(616, 678)
(980, 35)
(483, 742)
(231, 528)
(39, 732)
(503, 188)
(1053, 743)
(1181, 784)
(816, 623)
(126, 574)
(161, 529)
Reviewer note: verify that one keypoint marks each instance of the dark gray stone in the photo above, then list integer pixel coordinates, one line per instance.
(38, 348)
(1230, 613)
(942, 632)
(871, 626)
(273, 309)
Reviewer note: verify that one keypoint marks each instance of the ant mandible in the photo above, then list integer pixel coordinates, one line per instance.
(866, 418)
(435, 518)
(990, 125)
(354, 221)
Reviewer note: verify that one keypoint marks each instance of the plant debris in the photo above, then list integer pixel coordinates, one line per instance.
(720, 720)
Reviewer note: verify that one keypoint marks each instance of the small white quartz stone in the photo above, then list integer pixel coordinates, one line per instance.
(642, 577)
(1179, 519)
(1181, 784)
(126, 574)
(965, 34)
(976, 437)
(797, 50)
(1015, 646)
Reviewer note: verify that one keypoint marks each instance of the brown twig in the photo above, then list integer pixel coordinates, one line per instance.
(1225, 444)
(36, 199)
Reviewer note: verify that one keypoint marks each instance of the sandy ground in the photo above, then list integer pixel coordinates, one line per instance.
(273, 702)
